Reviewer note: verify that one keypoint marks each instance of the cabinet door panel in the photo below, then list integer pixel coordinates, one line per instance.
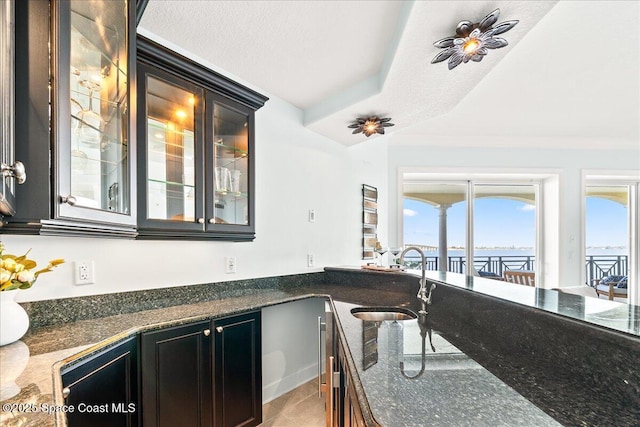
(238, 371)
(7, 82)
(176, 381)
(91, 110)
(170, 144)
(107, 384)
(230, 156)
(222, 134)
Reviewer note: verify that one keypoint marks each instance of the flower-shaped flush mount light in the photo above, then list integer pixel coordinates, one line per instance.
(370, 125)
(473, 41)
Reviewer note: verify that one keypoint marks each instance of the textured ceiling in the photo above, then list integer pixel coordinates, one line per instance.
(570, 70)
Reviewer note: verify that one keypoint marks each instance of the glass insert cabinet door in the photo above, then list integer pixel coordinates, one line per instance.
(11, 172)
(170, 151)
(231, 158)
(92, 114)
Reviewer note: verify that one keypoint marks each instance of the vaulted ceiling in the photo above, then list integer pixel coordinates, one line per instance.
(570, 72)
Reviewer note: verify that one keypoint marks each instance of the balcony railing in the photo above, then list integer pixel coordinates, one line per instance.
(596, 267)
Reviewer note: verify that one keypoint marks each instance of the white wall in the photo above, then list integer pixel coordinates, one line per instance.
(289, 346)
(296, 170)
(524, 153)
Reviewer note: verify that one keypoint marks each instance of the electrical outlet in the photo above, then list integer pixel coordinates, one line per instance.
(230, 264)
(85, 272)
(311, 262)
(312, 215)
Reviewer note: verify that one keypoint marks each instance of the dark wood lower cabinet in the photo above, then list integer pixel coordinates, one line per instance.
(176, 376)
(103, 390)
(346, 408)
(238, 371)
(203, 374)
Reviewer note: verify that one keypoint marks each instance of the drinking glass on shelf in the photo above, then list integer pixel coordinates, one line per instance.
(91, 123)
(234, 182)
(76, 108)
(78, 157)
(395, 252)
(222, 177)
(381, 251)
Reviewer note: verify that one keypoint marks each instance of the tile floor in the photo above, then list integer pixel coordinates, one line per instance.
(301, 407)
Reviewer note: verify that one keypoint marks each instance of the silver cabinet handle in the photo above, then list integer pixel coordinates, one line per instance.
(207, 332)
(200, 220)
(65, 392)
(320, 327)
(219, 329)
(69, 199)
(17, 171)
(330, 390)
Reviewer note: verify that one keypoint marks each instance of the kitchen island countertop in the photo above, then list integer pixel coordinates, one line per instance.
(452, 385)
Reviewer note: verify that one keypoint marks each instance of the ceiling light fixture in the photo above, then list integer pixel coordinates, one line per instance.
(370, 125)
(472, 41)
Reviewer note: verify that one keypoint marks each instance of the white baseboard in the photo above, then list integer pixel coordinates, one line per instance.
(288, 383)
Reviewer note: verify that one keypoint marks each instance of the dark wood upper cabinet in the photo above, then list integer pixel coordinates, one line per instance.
(11, 169)
(76, 118)
(196, 141)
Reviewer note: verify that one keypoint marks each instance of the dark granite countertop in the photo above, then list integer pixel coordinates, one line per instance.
(596, 311)
(64, 344)
(452, 385)
(600, 312)
(452, 390)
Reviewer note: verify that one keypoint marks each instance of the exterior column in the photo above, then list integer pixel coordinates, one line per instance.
(442, 238)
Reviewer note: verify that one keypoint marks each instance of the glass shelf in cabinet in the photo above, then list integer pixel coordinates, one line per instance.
(186, 132)
(232, 195)
(226, 161)
(228, 149)
(114, 104)
(164, 181)
(110, 138)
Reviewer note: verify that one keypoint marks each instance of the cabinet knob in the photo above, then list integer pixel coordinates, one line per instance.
(212, 220)
(69, 199)
(200, 220)
(219, 329)
(17, 171)
(65, 392)
(207, 332)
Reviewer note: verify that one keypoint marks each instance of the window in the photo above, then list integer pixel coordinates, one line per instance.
(498, 231)
(611, 243)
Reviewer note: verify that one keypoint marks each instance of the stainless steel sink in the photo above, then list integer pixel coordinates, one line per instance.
(377, 314)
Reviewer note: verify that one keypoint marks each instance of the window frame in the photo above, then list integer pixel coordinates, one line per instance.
(630, 179)
(504, 177)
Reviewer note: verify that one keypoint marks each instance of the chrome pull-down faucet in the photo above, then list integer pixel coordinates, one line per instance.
(424, 295)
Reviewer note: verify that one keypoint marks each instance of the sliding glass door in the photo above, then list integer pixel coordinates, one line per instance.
(495, 233)
(609, 216)
(434, 217)
(504, 228)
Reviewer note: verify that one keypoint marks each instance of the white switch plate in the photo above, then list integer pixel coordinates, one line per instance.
(84, 272)
(312, 215)
(230, 264)
(311, 262)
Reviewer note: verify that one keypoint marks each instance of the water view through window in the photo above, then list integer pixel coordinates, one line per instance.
(606, 231)
(503, 222)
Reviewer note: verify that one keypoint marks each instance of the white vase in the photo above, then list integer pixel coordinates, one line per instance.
(13, 361)
(14, 320)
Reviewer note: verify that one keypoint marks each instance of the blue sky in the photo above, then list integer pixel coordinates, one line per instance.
(504, 222)
(606, 223)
